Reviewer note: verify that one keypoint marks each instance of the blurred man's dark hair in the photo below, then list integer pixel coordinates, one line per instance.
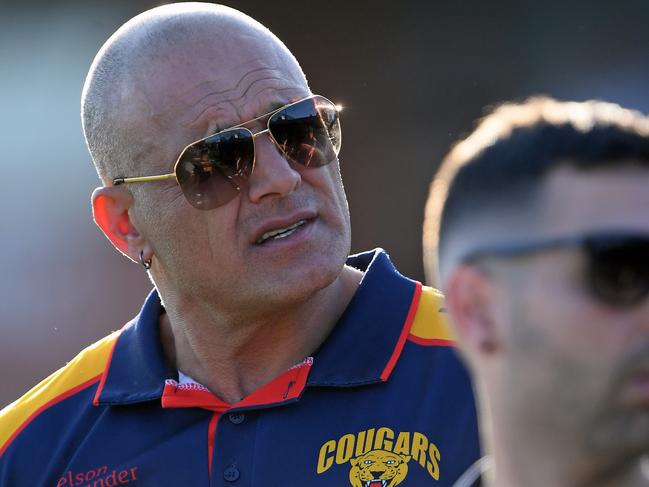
(501, 166)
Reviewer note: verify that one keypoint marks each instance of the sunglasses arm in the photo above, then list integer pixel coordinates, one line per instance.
(160, 177)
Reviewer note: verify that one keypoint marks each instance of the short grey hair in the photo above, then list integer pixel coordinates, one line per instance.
(108, 92)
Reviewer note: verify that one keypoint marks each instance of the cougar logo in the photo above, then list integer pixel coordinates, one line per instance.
(378, 468)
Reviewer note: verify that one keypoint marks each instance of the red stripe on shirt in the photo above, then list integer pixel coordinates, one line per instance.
(104, 375)
(211, 434)
(431, 342)
(404, 334)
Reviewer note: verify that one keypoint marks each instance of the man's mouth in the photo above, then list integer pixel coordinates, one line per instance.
(280, 232)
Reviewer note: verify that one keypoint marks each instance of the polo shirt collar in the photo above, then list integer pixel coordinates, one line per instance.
(368, 339)
(137, 369)
(362, 348)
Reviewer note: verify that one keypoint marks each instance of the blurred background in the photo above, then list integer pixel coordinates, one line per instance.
(412, 76)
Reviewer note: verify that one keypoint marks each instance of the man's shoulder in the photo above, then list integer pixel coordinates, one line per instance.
(83, 371)
(426, 322)
(430, 325)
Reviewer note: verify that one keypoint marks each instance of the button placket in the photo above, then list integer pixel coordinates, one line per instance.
(233, 456)
(237, 417)
(231, 473)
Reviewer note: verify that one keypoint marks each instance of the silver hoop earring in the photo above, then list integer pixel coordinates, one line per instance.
(145, 263)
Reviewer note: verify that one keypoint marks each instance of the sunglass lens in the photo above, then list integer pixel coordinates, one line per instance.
(308, 132)
(211, 171)
(619, 270)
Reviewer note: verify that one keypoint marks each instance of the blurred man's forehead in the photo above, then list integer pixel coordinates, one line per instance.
(485, 228)
(574, 200)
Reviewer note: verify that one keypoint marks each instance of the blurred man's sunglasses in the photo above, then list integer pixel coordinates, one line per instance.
(212, 170)
(617, 263)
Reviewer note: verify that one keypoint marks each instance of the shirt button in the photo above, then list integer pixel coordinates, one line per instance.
(231, 474)
(236, 418)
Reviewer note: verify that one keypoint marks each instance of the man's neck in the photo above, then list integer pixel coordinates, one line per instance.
(234, 357)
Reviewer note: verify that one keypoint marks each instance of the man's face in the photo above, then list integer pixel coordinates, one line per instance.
(576, 369)
(213, 256)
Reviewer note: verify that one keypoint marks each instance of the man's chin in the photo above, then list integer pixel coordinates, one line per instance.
(296, 289)
(622, 437)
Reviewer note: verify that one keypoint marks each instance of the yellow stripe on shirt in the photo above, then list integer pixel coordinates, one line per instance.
(431, 322)
(82, 371)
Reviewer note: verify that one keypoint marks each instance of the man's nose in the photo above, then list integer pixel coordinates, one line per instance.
(272, 175)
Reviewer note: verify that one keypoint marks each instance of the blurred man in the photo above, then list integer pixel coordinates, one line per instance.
(537, 226)
(264, 356)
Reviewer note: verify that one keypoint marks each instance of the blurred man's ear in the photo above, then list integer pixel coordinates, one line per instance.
(110, 205)
(470, 295)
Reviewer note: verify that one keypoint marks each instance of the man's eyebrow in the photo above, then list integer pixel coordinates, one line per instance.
(214, 127)
(274, 106)
(268, 111)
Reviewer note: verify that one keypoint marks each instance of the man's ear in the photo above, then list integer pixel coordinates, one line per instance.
(110, 205)
(470, 300)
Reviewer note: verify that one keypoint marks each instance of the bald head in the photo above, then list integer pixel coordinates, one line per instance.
(141, 82)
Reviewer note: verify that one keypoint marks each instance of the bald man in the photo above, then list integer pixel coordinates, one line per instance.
(264, 355)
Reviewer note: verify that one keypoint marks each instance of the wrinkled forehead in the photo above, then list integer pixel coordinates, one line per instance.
(203, 84)
(229, 72)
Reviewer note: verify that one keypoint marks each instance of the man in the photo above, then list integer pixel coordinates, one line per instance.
(537, 226)
(263, 357)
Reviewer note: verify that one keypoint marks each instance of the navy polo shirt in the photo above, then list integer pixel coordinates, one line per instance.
(383, 402)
